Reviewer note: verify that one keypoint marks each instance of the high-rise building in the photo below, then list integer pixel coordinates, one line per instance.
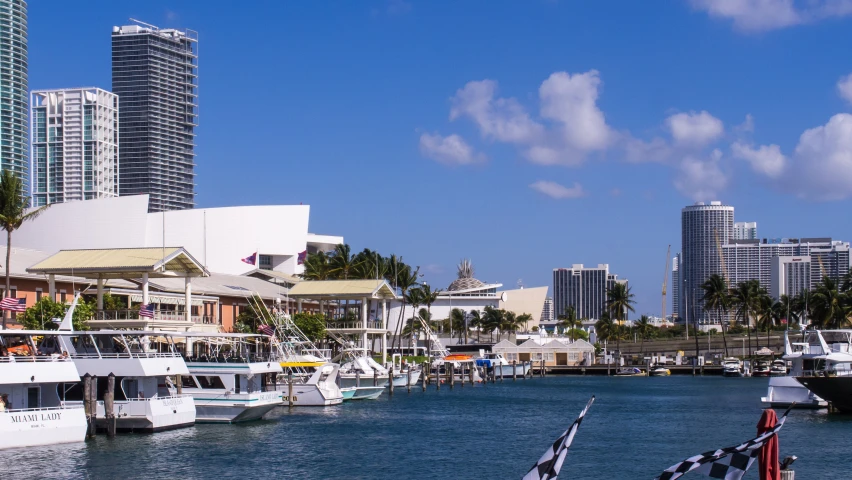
(704, 230)
(675, 288)
(745, 230)
(13, 87)
(74, 145)
(790, 275)
(582, 288)
(155, 75)
(547, 310)
(754, 259)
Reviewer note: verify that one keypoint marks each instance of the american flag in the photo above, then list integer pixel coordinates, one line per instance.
(266, 330)
(547, 467)
(251, 259)
(730, 463)
(302, 257)
(147, 311)
(14, 304)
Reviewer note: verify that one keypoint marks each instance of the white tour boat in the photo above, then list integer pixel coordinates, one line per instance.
(806, 358)
(145, 397)
(231, 375)
(33, 410)
(732, 367)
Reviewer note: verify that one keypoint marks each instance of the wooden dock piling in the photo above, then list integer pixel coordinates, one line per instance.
(437, 377)
(514, 370)
(471, 376)
(87, 405)
(109, 406)
(390, 381)
(451, 374)
(290, 389)
(375, 378)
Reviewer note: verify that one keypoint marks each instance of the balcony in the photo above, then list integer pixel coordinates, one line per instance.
(165, 320)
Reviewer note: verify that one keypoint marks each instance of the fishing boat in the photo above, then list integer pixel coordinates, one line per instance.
(404, 374)
(317, 389)
(33, 406)
(784, 391)
(502, 366)
(732, 367)
(231, 375)
(358, 369)
(629, 372)
(658, 370)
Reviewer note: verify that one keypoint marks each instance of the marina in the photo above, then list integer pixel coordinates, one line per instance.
(662, 416)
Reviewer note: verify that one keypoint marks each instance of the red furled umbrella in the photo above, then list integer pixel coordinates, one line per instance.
(767, 457)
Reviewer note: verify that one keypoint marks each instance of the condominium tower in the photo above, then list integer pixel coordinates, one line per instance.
(74, 145)
(155, 75)
(745, 230)
(704, 230)
(13, 87)
(582, 288)
(675, 287)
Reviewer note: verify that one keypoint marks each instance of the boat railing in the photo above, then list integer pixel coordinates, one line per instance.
(126, 355)
(32, 359)
(358, 325)
(248, 358)
(43, 409)
(148, 399)
(170, 316)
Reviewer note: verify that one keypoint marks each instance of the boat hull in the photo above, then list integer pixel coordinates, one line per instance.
(520, 369)
(402, 379)
(234, 408)
(368, 393)
(837, 391)
(308, 395)
(348, 393)
(784, 392)
(43, 426)
(349, 380)
(151, 414)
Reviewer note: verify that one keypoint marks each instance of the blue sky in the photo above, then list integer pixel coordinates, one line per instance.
(523, 135)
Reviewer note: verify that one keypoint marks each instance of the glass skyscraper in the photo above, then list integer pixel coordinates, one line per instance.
(13, 87)
(155, 75)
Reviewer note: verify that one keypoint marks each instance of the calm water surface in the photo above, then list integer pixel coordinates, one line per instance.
(637, 427)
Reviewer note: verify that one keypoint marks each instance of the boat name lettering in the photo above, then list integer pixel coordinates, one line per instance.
(170, 402)
(36, 417)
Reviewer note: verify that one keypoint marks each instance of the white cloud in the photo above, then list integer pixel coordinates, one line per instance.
(694, 129)
(822, 160)
(747, 126)
(656, 150)
(764, 15)
(766, 160)
(557, 191)
(844, 87)
(451, 149)
(575, 128)
(700, 179)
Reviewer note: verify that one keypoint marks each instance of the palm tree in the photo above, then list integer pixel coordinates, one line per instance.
(643, 329)
(406, 280)
(716, 298)
(831, 307)
(475, 322)
(457, 317)
(619, 302)
(569, 320)
(342, 261)
(13, 214)
(605, 328)
(788, 309)
(525, 319)
(493, 318)
(745, 297)
(415, 298)
(510, 322)
(317, 267)
(429, 297)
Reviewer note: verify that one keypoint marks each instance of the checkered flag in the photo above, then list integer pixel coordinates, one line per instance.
(728, 463)
(547, 467)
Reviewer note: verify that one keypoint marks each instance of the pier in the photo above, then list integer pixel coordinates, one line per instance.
(604, 370)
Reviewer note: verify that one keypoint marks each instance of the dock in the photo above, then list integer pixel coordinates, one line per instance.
(602, 369)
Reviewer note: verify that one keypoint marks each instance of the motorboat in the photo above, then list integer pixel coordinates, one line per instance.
(144, 363)
(33, 407)
(761, 368)
(231, 375)
(828, 374)
(732, 367)
(778, 368)
(404, 374)
(365, 393)
(659, 371)
(358, 369)
(785, 391)
(317, 389)
(629, 372)
(501, 366)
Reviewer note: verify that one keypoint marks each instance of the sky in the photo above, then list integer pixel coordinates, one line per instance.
(525, 136)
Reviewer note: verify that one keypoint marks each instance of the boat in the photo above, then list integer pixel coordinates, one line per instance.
(319, 389)
(33, 408)
(146, 397)
(732, 367)
(404, 374)
(828, 374)
(348, 393)
(629, 372)
(762, 368)
(358, 369)
(778, 368)
(785, 391)
(658, 370)
(502, 366)
(231, 375)
(366, 393)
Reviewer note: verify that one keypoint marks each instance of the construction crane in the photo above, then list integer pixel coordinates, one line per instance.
(666, 280)
(821, 267)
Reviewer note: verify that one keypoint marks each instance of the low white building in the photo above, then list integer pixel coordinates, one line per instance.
(554, 353)
(219, 237)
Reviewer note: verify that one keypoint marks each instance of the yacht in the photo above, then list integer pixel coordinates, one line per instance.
(828, 373)
(762, 368)
(33, 407)
(732, 367)
(404, 374)
(629, 372)
(659, 371)
(231, 375)
(785, 390)
(359, 371)
(502, 366)
(778, 368)
(146, 398)
(315, 379)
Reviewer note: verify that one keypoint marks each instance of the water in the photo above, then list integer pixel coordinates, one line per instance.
(637, 427)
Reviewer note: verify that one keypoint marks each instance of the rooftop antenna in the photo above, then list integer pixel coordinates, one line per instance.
(520, 283)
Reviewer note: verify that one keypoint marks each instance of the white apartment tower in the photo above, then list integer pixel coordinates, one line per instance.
(745, 230)
(790, 275)
(547, 311)
(704, 230)
(73, 145)
(675, 287)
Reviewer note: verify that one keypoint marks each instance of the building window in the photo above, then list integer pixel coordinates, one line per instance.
(265, 262)
(62, 296)
(39, 293)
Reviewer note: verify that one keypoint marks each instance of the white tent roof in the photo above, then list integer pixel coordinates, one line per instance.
(504, 345)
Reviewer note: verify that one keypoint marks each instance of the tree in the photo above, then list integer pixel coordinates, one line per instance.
(405, 280)
(605, 327)
(250, 316)
(317, 267)
(429, 297)
(40, 316)
(569, 321)
(13, 214)
(475, 322)
(619, 302)
(457, 318)
(311, 324)
(831, 307)
(510, 322)
(415, 299)
(643, 329)
(112, 303)
(745, 297)
(493, 318)
(524, 319)
(716, 298)
(342, 261)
